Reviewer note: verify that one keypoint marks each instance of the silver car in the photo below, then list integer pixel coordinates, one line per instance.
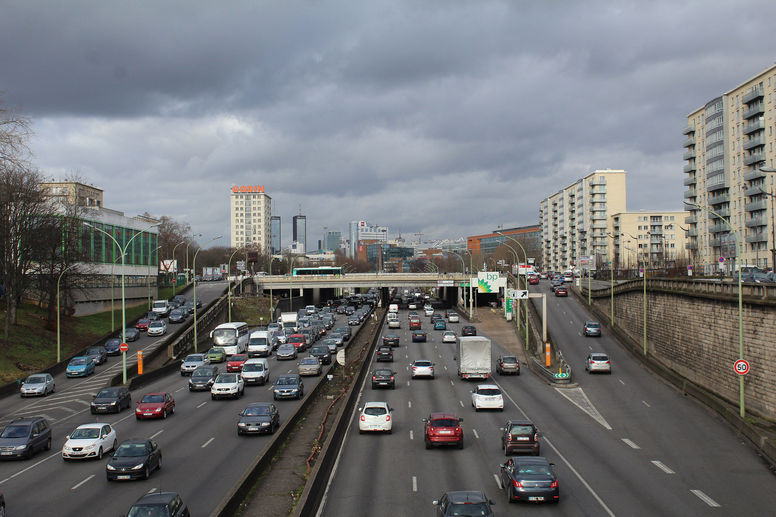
(192, 362)
(38, 384)
(310, 366)
(422, 368)
(598, 362)
(157, 328)
(287, 351)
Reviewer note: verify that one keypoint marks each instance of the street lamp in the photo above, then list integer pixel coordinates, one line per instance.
(471, 287)
(742, 409)
(229, 282)
(525, 254)
(187, 258)
(123, 303)
(148, 277)
(175, 280)
(611, 271)
(773, 219)
(59, 358)
(194, 266)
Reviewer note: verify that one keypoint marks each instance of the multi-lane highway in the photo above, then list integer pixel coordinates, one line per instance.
(623, 444)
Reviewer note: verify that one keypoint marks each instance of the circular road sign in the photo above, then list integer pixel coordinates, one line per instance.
(741, 367)
(721, 260)
(123, 347)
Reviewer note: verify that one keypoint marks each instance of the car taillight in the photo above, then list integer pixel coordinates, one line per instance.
(375, 378)
(536, 437)
(363, 418)
(509, 437)
(517, 484)
(414, 367)
(608, 362)
(391, 377)
(554, 484)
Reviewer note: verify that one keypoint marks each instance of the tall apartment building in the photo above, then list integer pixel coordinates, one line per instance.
(250, 212)
(275, 239)
(649, 239)
(299, 227)
(727, 142)
(576, 221)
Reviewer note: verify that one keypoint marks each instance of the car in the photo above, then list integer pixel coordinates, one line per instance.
(394, 324)
(468, 330)
(529, 478)
(289, 385)
(422, 368)
(354, 320)
(188, 307)
(179, 315)
(142, 324)
(331, 345)
(216, 355)
(507, 364)
(157, 328)
(419, 336)
(165, 504)
(22, 437)
(227, 385)
(453, 317)
(112, 346)
(347, 333)
(415, 324)
(235, 362)
(309, 366)
(449, 336)
(80, 366)
(598, 362)
(111, 400)
(258, 418)
(89, 441)
(520, 436)
(161, 308)
(487, 396)
(391, 340)
(255, 371)
(179, 299)
(384, 353)
(464, 502)
(592, 328)
(194, 361)
(155, 405)
(203, 377)
(338, 337)
(375, 416)
(37, 384)
(561, 291)
(322, 352)
(134, 459)
(131, 334)
(443, 429)
(299, 341)
(412, 305)
(428, 311)
(533, 279)
(412, 315)
(287, 351)
(98, 354)
(383, 377)
(440, 324)
(543, 275)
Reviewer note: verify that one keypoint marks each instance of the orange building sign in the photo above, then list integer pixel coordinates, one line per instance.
(248, 188)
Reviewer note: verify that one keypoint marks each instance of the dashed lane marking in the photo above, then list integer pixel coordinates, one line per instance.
(498, 481)
(706, 499)
(621, 382)
(30, 467)
(412, 437)
(157, 433)
(207, 443)
(82, 482)
(414, 484)
(202, 404)
(630, 444)
(645, 403)
(662, 466)
(409, 403)
(461, 402)
(475, 434)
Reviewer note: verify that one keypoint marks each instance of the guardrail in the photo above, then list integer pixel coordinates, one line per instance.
(561, 377)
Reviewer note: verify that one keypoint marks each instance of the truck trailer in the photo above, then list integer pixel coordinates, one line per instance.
(473, 357)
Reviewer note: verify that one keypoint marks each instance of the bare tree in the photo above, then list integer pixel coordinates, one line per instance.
(14, 132)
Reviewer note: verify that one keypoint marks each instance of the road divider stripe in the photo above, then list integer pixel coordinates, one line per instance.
(202, 404)
(475, 434)
(498, 481)
(706, 499)
(461, 402)
(645, 403)
(157, 433)
(662, 466)
(414, 484)
(412, 437)
(207, 443)
(30, 467)
(82, 482)
(409, 403)
(630, 444)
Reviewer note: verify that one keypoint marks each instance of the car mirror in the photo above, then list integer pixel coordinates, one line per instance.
(552, 464)
(67, 437)
(137, 402)
(424, 420)
(360, 409)
(94, 396)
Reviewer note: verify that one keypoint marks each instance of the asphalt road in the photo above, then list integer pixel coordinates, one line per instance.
(203, 457)
(623, 444)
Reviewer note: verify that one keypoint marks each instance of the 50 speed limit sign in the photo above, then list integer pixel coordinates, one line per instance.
(741, 367)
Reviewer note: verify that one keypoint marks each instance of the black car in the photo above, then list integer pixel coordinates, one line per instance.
(346, 331)
(384, 353)
(112, 346)
(464, 502)
(188, 307)
(166, 504)
(468, 330)
(178, 315)
(134, 459)
(391, 340)
(520, 436)
(179, 299)
(24, 436)
(259, 418)
(529, 478)
(98, 354)
(131, 334)
(202, 378)
(322, 353)
(288, 386)
(111, 400)
(383, 377)
(418, 336)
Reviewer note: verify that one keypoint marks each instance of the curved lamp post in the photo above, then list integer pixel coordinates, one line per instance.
(175, 280)
(148, 277)
(525, 254)
(59, 357)
(194, 266)
(187, 258)
(123, 302)
(471, 288)
(229, 282)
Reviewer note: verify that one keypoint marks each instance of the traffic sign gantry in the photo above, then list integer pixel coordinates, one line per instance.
(741, 367)
(123, 347)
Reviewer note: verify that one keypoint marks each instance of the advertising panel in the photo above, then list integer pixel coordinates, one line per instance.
(168, 266)
(490, 282)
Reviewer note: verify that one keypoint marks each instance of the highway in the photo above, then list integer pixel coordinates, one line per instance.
(202, 455)
(623, 444)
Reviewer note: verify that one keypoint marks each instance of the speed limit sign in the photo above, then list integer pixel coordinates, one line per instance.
(741, 367)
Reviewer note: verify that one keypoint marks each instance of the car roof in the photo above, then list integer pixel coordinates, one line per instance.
(256, 360)
(92, 425)
(520, 422)
(488, 386)
(530, 460)
(155, 393)
(466, 496)
(434, 416)
(376, 404)
(157, 497)
(259, 404)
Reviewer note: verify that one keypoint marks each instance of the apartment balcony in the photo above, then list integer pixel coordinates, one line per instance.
(689, 142)
(753, 206)
(690, 193)
(756, 221)
(754, 110)
(755, 157)
(690, 167)
(692, 232)
(724, 212)
(597, 181)
(691, 220)
(718, 227)
(754, 175)
(691, 245)
(688, 155)
(711, 187)
(754, 142)
(715, 242)
(688, 130)
(753, 191)
(599, 226)
(755, 93)
(757, 237)
(753, 126)
(722, 198)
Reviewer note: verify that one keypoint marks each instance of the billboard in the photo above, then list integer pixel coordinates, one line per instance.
(168, 266)
(489, 282)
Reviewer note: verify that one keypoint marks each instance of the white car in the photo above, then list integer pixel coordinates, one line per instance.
(448, 336)
(422, 368)
(394, 324)
(157, 328)
(453, 318)
(598, 362)
(428, 311)
(412, 306)
(487, 396)
(90, 441)
(375, 416)
(227, 385)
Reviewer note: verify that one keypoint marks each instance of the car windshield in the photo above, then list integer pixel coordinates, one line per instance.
(375, 411)
(152, 399)
(78, 361)
(599, 357)
(253, 367)
(593, 325)
(521, 430)
(104, 394)
(256, 411)
(225, 336)
(255, 341)
(35, 379)
(146, 510)
(489, 391)
(384, 372)
(422, 363)
(226, 378)
(195, 358)
(539, 470)
(511, 360)
(202, 372)
(156, 324)
(238, 358)
(309, 360)
(15, 431)
(468, 509)
(286, 380)
(444, 422)
(130, 450)
(215, 351)
(93, 351)
(85, 434)
(319, 350)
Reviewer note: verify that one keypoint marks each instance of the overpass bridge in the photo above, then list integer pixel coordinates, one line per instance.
(362, 280)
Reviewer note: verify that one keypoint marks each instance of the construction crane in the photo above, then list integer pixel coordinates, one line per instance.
(419, 235)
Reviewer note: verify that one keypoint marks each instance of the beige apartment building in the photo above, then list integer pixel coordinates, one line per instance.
(250, 218)
(649, 239)
(729, 155)
(576, 222)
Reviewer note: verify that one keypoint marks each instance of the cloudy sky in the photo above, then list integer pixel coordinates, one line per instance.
(445, 117)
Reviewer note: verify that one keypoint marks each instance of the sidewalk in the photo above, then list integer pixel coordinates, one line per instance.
(492, 323)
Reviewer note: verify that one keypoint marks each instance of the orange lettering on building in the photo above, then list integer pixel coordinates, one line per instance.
(248, 188)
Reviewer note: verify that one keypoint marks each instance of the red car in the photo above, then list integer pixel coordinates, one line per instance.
(299, 341)
(142, 324)
(443, 429)
(533, 280)
(235, 362)
(414, 324)
(155, 405)
(561, 291)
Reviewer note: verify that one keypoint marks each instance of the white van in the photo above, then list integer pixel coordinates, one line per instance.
(259, 344)
(394, 307)
(255, 371)
(232, 337)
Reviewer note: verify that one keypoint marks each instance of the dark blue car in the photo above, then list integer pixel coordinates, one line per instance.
(80, 367)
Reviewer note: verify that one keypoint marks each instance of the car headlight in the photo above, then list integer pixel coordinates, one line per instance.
(114, 403)
(241, 424)
(137, 467)
(90, 447)
(20, 447)
(110, 467)
(157, 410)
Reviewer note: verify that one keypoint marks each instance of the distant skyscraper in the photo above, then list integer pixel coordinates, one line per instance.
(300, 230)
(363, 231)
(331, 241)
(276, 235)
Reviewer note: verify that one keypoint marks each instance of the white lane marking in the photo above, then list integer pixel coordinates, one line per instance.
(179, 389)
(621, 382)
(207, 443)
(82, 482)
(590, 347)
(498, 481)
(414, 484)
(577, 397)
(461, 402)
(157, 433)
(445, 367)
(202, 404)
(63, 408)
(412, 436)
(645, 403)
(409, 403)
(82, 402)
(662, 466)
(630, 444)
(475, 434)
(706, 499)
(406, 356)
(151, 491)
(31, 466)
(452, 383)
(408, 383)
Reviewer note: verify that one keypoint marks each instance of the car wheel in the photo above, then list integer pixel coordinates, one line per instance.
(159, 464)
(361, 431)
(164, 414)
(92, 412)
(137, 417)
(53, 388)
(99, 453)
(274, 397)
(517, 373)
(48, 444)
(172, 410)
(212, 397)
(460, 444)
(428, 444)
(114, 445)
(146, 473)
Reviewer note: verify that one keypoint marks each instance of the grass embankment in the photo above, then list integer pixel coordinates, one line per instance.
(252, 310)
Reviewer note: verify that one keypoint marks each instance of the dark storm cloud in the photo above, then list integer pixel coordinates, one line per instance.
(446, 117)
